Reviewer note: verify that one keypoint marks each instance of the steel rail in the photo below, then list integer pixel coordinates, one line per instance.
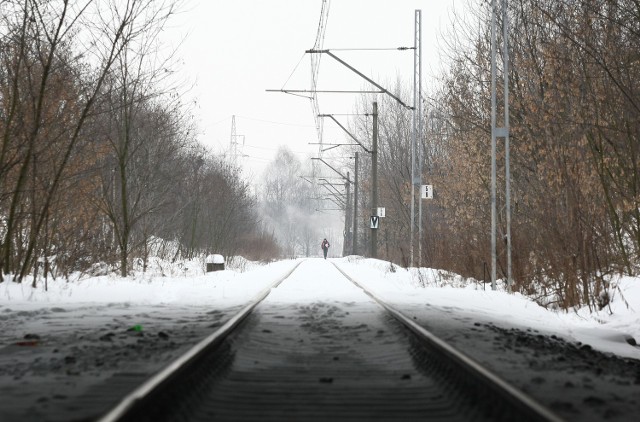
(516, 397)
(129, 402)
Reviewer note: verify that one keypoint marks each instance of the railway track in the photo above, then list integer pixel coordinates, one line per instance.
(321, 357)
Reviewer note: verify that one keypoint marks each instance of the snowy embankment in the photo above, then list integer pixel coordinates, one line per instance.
(73, 340)
(221, 288)
(609, 330)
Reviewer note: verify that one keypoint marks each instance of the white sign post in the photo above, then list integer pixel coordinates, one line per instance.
(381, 212)
(426, 191)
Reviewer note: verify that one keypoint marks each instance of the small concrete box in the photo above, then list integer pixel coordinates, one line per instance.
(215, 262)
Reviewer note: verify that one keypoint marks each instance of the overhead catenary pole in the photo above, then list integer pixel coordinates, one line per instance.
(374, 176)
(414, 180)
(418, 111)
(500, 132)
(346, 246)
(493, 144)
(505, 41)
(355, 208)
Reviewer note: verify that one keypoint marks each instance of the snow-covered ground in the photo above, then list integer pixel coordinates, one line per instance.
(85, 330)
(607, 330)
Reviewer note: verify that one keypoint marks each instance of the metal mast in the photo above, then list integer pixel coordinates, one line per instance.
(233, 143)
(414, 179)
(374, 177)
(500, 132)
(418, 111)
(355, 209)
(505, 41)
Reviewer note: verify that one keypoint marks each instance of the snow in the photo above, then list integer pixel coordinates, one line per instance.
(75, 338)
(215, 259)
(607, 330)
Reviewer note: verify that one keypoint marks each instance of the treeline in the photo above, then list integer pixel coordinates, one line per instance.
(291, 205)
(99, 161)
(575, 151)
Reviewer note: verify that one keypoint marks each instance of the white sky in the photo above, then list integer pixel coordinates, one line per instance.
(235, 50)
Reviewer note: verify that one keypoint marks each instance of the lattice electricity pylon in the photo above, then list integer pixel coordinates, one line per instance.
(233, 144)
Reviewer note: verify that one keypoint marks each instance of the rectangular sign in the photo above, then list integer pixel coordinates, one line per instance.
(427, 192)
(380, 212)
(375, 221)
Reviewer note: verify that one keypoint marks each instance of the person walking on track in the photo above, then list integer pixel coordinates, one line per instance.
(325, 247)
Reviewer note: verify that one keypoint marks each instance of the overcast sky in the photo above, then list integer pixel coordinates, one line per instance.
(234, 50)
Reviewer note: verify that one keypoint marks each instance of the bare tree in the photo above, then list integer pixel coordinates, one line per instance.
(288, 202)
(37, 37)
(573, 171)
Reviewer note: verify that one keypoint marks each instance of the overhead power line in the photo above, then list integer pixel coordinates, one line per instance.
(315, 66)
(373, 49)
(272, 122)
